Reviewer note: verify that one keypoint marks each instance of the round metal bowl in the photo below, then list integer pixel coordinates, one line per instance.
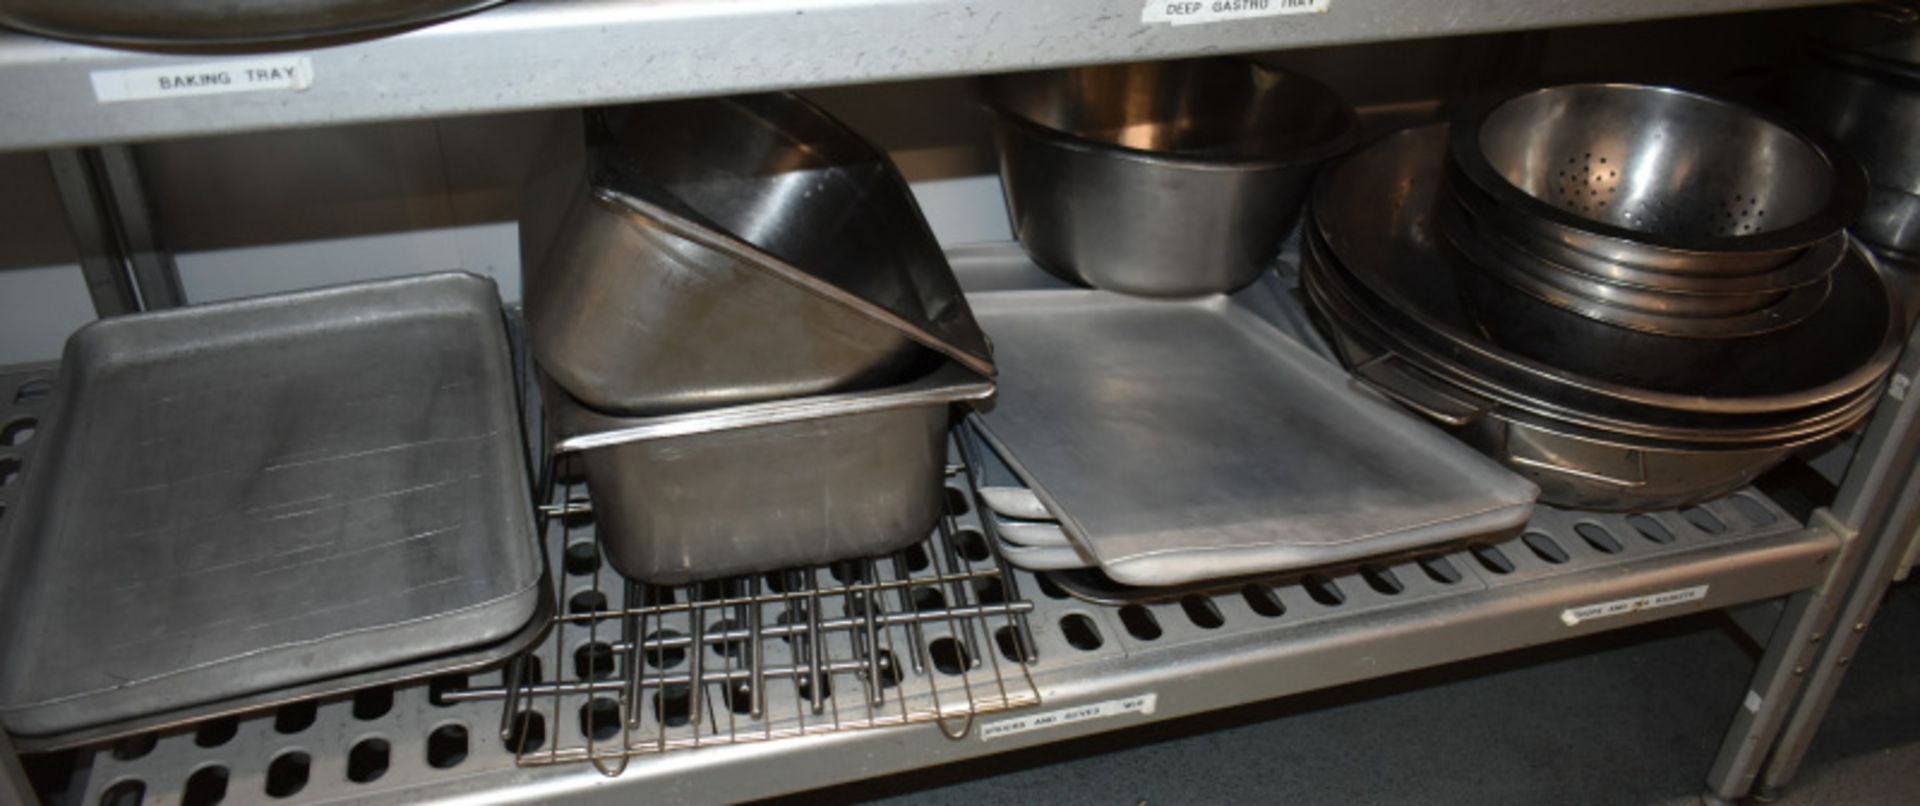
(234, 22)
(1374, 211)
(1164, 179)
(1656, 177)
(1486, 217)
(1574, 465)
(1330, 287)
(1524, 280)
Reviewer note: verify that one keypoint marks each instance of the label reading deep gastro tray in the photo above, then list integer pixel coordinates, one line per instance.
(1620, 607)
(1137, 704)
(1189, 12)
(283, 73)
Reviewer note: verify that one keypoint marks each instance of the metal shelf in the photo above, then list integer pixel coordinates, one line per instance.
(1282, 637)
(551, 53)
(1188, 668)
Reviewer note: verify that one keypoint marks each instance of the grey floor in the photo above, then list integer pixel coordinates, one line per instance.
(1628, 718)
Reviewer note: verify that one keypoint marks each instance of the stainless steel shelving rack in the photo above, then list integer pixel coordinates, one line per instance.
(551, 53)
(1226, 650)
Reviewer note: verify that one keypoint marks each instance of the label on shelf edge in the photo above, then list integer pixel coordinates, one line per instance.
(284, 73)
(1572, 616)
(1191, 12)
(1136, 704)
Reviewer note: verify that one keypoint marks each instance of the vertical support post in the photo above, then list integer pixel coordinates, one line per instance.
(1875, 498)
(125, 266)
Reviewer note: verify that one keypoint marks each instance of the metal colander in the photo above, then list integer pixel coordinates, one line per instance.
(1653, 165)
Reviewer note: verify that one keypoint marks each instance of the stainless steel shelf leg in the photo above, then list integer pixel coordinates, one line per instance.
(114, 231)
(1830, 665)
(1803, 664)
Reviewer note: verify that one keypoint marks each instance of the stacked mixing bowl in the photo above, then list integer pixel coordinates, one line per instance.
(1861, 84)
(1636, 296)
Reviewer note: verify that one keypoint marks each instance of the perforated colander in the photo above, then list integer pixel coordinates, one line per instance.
(1632, 165)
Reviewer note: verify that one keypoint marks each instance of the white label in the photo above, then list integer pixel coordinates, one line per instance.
(1189, 12)
(1897, 387)
(285, 73)
(1137, 704)
(1753, 701)
(1620, 607)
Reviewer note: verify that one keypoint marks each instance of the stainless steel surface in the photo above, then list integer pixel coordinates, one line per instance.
(868, 643)
(1656, 177)
(1165, 179)
(1697, 315)
(1264, 459)
(539, 54)
(1891, 223)
(234, 500)
(1876, 115)
(735, 250)
(185, 22)
(1374, 211)
(832, 477)
(1574, 466)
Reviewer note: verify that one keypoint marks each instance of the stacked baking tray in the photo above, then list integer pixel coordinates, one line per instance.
(229, 506)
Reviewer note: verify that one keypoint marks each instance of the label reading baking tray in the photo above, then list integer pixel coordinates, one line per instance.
(283, 73)
(1189, 12)
(1572, 616)
(1136, 704)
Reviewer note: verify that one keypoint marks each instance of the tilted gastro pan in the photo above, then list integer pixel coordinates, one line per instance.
(725, 251)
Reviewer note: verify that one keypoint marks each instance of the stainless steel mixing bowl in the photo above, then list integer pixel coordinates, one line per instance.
(1655, 177)
(1163, 179)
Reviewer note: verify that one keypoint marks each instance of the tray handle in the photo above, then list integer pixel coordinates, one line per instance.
(1391, 376)
(1614, 466)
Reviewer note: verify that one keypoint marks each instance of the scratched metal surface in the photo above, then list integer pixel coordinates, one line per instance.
(239, 497)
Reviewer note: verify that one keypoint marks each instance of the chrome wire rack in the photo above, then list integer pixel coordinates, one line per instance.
(934, 633)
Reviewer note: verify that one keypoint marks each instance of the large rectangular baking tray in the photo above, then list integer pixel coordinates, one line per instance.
(243, 499)
(1181, 441)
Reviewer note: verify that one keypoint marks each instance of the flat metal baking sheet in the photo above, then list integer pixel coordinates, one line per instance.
(1181, 441)
(248, 496)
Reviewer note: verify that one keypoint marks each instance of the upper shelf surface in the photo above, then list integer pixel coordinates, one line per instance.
(549, 53)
